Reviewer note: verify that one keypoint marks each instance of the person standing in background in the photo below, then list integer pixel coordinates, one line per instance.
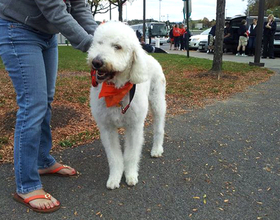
(176, 34)
(227, 33)
(171, 37)
(252, 37)
(243, 39)
(186, 36)
(211, 39)
(182, 31)
(268, 37)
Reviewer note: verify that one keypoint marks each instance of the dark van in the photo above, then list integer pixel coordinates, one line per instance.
(235, 23)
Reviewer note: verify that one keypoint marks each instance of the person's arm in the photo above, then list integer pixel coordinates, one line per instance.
(249, 29)
(55, 12)
(244, 31)
(226, 33)
(80, 10)
(267, 25)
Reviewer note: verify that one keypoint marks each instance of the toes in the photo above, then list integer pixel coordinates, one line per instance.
(113, 184)
(41, 206)
(131, 180)
(54, 202)
(69, 170)
(48, 206)
(157, 152)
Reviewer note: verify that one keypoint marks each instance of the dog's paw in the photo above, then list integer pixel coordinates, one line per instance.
(131, 180)
(113, 184)
(157, 151)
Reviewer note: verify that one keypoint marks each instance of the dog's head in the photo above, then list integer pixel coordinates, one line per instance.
(117, 55)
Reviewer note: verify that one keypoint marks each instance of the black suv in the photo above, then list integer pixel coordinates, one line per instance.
(235, 23)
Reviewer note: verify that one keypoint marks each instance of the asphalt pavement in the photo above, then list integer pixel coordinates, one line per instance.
(268, 63)
(221, 162)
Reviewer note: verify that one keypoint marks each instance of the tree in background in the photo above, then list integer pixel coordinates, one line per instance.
(218, 51)
(119, 4)
(271, 7)
(205, 22)
(99, 6)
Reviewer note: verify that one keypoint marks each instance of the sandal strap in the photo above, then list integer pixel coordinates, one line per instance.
(31, 198)
(59, 168)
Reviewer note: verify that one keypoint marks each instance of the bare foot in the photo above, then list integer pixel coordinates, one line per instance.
(40, 203)
(66, 170)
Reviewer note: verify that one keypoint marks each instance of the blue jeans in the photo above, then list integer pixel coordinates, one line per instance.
(251, 45)
(31, 59)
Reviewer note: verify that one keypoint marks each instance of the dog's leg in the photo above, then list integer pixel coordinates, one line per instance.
(132, 153)
(111, 143)
(158, 107)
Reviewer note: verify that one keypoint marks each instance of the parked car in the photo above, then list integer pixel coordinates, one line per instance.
(277, 37)
(195, 39)
(203, 45)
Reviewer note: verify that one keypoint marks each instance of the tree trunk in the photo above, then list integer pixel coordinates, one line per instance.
(219, 39)
(119, 4)
(120, 10)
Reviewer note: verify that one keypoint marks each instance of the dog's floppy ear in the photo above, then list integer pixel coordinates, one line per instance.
(139, 70)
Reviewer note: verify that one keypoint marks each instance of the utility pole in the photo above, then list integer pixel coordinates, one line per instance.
(144, 20)
(188, 29)
(110, 11)
(259, 36)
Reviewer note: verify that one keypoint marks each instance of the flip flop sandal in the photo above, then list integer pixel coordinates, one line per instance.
(26, 201)
(55, 172)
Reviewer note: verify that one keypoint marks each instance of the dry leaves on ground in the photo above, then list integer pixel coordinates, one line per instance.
(72, 124)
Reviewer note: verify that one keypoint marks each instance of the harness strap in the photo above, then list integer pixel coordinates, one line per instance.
(131, 95)
(93, 78)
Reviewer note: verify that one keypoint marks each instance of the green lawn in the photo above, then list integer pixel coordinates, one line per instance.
(181, 72)
(74, 60)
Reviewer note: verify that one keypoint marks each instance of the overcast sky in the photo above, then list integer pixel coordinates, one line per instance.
(173, 10)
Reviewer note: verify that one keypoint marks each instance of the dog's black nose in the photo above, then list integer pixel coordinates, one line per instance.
(97, 63)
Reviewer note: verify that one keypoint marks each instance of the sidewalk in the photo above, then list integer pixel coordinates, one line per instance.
(269, 63)
(220, 163)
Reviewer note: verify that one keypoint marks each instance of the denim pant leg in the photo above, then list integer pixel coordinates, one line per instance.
(50, 57)
(250, 45)
(30, 58)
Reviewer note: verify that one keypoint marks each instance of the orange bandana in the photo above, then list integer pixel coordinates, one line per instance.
(112, 95)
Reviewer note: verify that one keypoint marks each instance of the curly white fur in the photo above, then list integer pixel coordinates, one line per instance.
(117, 46)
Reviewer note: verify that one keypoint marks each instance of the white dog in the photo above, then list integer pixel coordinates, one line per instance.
(120, 62)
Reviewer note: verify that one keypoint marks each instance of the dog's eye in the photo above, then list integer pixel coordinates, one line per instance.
(117, 47)
(100, 42)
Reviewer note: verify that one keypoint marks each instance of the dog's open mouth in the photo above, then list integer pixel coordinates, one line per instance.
(104, 76)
